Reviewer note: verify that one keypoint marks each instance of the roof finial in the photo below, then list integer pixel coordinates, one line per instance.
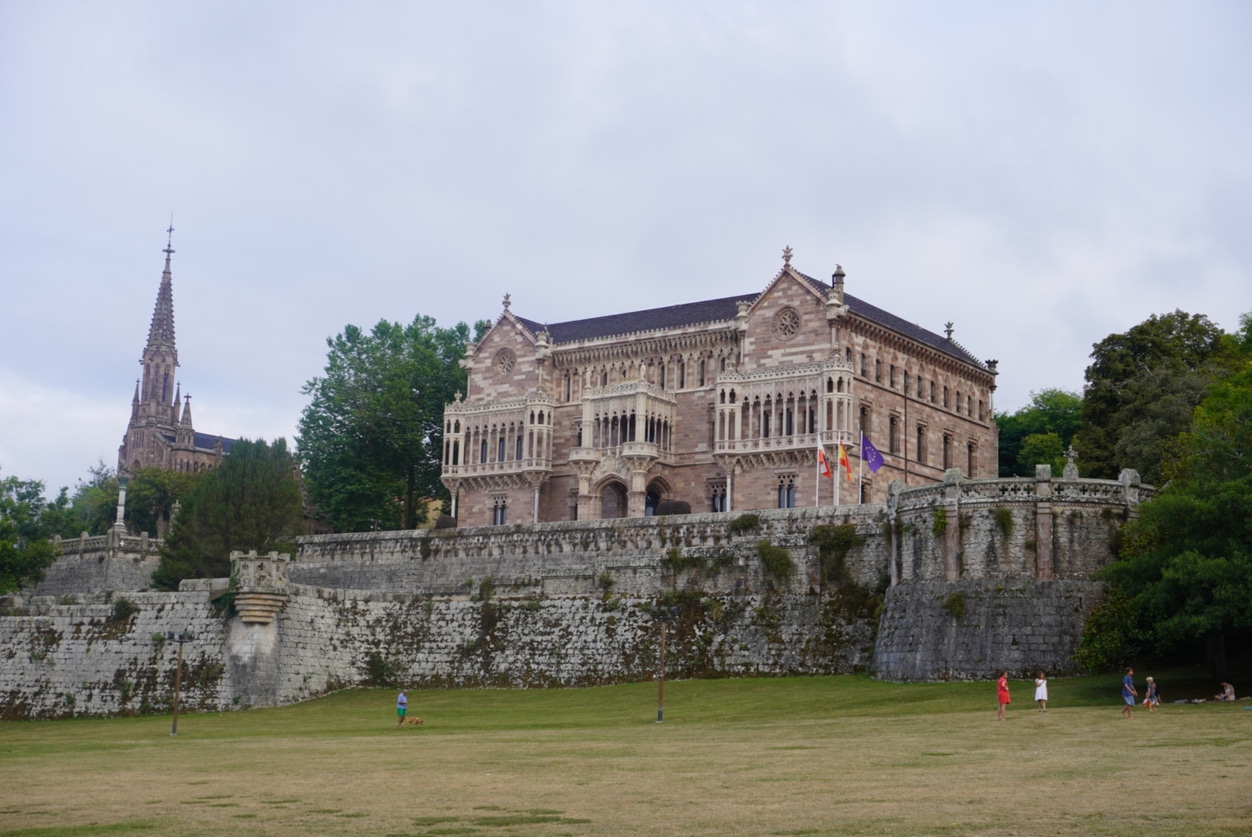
(947, 329)
(506, 302)
(787, 256)
(169, 242)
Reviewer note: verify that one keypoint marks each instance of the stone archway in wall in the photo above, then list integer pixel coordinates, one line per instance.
(657, 491)
(612, 500)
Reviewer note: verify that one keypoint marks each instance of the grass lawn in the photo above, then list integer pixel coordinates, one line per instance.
(823, 755)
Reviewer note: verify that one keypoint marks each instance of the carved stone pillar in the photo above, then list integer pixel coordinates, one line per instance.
(1043, 522)
(952, 529)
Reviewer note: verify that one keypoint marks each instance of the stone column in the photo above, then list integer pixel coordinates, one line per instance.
(952, 532)
(1043, 522)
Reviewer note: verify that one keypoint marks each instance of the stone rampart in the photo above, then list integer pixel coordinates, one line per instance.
(563, 559)
(109, 658)
(975, 629)
(983, 576)
(93, 564)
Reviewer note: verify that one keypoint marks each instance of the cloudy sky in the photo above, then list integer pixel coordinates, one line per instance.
(1043, 175)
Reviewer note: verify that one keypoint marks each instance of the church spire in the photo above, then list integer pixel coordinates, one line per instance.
(161, 333)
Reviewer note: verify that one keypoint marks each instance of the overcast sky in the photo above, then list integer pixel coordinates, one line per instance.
(1041, 174)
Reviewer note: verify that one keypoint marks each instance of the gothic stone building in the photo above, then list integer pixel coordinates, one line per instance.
(722, 404)
(160, 433)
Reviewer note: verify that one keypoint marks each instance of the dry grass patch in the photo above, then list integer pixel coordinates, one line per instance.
(814, 756)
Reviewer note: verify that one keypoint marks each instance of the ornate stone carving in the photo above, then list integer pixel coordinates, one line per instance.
(504, 362)
(787, 323)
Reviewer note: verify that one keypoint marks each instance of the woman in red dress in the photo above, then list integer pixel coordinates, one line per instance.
(1002, 692)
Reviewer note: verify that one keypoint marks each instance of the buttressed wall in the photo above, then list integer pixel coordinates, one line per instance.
(791, 591)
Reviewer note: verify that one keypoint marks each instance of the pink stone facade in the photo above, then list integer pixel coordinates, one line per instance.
(723, 404)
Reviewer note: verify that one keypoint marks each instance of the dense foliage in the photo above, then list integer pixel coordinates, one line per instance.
(1142, 387)
(370, 438)
(1185, 574)
(249, 502)
(1038, 433)
(28, 521)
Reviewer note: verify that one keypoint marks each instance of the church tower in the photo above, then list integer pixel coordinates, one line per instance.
(160, 433)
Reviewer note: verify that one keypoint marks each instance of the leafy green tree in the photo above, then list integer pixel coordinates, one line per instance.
(1186, 568)
(151, 496)
(370, 438)
(1142, 387)
(1042, 449)
(27, 523)
(1050, 411)
(94, 502)
(251, 501)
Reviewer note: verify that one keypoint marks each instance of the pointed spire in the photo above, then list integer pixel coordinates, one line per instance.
(178, 403)
(187, 411)
(161, 333)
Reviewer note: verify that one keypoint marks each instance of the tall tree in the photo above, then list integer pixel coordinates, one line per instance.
(27, 523)
(1142, 387)
(249, 502)
(370, 438)
(1052, 417)
(1186, 568)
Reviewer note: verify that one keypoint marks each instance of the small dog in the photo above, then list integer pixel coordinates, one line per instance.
(417, 721)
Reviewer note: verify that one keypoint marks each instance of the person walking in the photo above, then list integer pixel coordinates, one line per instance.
(1002, 694)
(1041, 692)
(402, 706)
(1128, 693)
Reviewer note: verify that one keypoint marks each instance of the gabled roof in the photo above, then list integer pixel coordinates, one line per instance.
(724, 310)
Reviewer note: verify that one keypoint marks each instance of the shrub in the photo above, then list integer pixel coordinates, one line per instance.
(673, 507)
(941, 522)
(445, 521)
(744, 523)
(955, 604)
(123, 609)
(833, 544)
(1004, 521)
(676, 562)
(776, 562)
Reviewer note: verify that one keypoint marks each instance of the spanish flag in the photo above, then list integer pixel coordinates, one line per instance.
(844, 463)
(822, 464)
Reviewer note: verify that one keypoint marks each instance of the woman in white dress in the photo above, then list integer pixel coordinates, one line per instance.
(1041, 692)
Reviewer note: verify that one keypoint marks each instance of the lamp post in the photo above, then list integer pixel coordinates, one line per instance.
(180, 638)
(662, 614)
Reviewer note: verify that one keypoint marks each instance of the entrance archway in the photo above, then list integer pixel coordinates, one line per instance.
(613, 501)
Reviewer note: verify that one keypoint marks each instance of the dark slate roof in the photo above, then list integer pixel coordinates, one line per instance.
(653, 319)
(206, 441)
(725, 309)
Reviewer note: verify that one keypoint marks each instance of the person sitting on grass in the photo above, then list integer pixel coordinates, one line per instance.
(1227, 692)
(1153, 697)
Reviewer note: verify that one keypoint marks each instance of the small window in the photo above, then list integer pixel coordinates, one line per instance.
(878, 371)
(786, 492)
(932, 392)
(500, 511)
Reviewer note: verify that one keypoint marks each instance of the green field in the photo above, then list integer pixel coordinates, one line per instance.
(823, 755)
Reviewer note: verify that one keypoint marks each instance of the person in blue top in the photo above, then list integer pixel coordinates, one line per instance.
(402, 706)
(1128, 692)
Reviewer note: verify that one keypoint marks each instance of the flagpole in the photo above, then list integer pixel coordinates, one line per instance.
(860, 470)
(817, 474)
(838, 477)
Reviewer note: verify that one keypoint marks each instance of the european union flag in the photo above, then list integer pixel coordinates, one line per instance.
(869, 454)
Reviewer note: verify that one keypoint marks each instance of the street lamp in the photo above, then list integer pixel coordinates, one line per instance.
(663, 614)
(180, 638)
